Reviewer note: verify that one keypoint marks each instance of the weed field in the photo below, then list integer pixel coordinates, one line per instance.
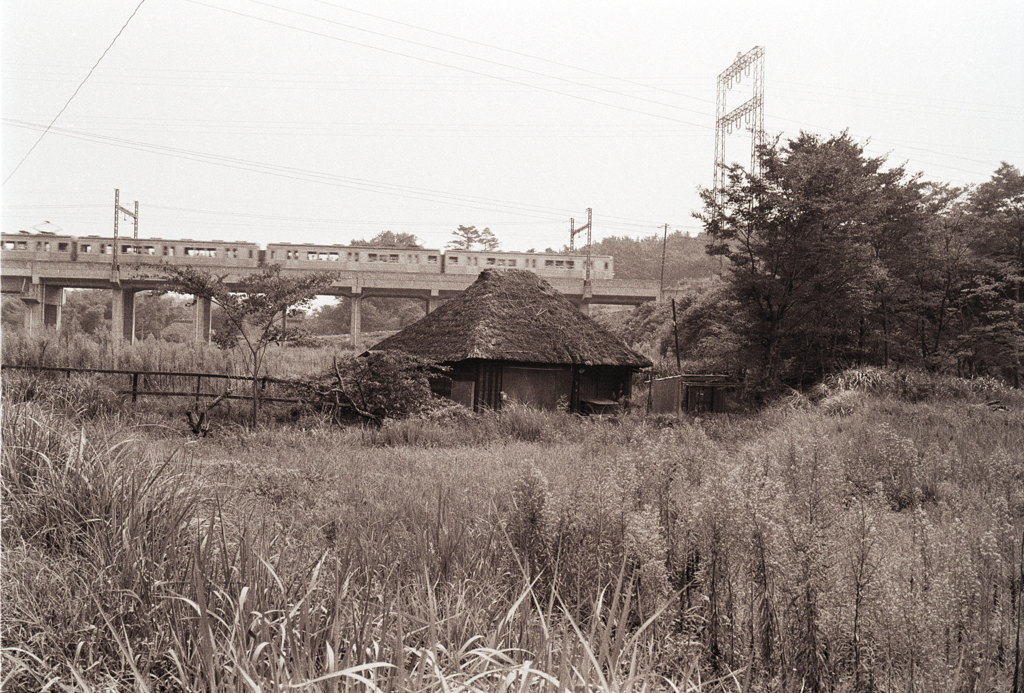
(867, 536)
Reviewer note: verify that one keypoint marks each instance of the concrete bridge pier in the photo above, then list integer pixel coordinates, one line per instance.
(434, 301)
(122, 315)
(203, 320)
(44, 305)
(357, 320)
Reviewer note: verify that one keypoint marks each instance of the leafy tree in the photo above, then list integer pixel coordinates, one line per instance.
(332, 318)
(155, 313)
(13, 316)
(996, 301)
(251, 308)
(798, 239)
(390, 239)
(469, 237)
(378, 386)
(379, 313)
(89, 311)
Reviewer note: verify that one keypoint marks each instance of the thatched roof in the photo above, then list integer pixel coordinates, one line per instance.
(512, 315)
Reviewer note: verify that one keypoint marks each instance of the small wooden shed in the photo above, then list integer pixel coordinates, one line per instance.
(512, 337)
(693, 394)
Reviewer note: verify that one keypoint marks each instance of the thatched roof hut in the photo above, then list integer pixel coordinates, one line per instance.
(510, 335)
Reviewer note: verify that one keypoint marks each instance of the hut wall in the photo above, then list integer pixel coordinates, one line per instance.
(666, 396)
(537, 386)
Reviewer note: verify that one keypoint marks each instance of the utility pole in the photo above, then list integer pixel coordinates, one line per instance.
(573, 230)
(664, 243)
(586, 227)
(751, 112)
(118, 211)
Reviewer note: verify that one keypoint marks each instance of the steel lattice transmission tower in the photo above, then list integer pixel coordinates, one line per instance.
(750, 112)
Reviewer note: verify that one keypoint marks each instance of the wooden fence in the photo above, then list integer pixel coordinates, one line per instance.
(150, 378)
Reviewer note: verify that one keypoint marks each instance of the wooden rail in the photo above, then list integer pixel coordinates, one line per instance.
(135, 391)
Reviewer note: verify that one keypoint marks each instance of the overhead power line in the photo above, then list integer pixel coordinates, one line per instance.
(93, 69)
(536, 87)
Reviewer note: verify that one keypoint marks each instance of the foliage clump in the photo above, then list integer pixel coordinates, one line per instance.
(376, 387)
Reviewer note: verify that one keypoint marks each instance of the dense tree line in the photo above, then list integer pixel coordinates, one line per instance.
(685, 258)
(157, 315)
(835, 259)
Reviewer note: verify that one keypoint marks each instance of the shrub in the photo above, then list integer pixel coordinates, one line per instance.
(379, 386)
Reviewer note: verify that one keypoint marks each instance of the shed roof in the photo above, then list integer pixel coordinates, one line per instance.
(512, 315)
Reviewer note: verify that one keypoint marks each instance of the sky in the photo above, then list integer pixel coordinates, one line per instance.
(324, 121)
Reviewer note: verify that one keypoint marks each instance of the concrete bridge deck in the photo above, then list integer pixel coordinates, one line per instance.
(40, 283)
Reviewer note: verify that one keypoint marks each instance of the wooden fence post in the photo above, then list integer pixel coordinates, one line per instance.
(135, 387)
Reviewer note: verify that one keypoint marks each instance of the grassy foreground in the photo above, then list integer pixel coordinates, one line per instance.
(866, 538)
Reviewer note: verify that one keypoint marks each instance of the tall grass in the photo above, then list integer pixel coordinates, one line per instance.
(77, 350)
(873, 546)
(124, 571)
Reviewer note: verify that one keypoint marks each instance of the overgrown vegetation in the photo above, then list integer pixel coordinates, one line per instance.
(377, 387)
(865, 535)
(836, 260)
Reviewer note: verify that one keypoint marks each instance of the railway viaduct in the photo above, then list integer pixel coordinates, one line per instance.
(39, 281)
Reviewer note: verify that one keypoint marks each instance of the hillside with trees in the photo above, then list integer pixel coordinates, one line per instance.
(641, 258)
(834, 259)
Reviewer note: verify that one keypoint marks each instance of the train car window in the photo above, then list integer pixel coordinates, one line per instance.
(273, 254)
(393, 258)
(333, 257)
(511, 263)
(8, 245)
(371, 257)
(549, 263)
(490, 261)
(150, 250)
(453, 259)
(570, 264)
(250, 253)
(606, 265)
(311, 255)
(62, 247)
(431, 258)
(201, 252)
